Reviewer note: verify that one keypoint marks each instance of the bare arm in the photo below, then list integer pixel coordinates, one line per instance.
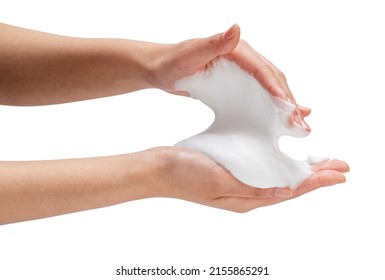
(39, 68)
(38, 189)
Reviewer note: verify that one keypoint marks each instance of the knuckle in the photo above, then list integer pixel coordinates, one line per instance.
(267, 67)
(318, 180)
(264, 70)
(262, 193)
(214, 42)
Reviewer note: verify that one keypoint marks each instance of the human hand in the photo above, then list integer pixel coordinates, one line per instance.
(188, 57)
(193, 176)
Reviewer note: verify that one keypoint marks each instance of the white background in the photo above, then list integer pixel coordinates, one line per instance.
(332, 53)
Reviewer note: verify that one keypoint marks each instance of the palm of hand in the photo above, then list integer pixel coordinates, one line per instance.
(195, 177)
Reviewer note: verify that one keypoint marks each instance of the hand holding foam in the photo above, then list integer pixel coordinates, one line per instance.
(248, 123)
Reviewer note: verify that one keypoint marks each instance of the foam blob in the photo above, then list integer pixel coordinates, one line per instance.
(248, 123)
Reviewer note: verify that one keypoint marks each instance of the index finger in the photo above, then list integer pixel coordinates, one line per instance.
(270, 77)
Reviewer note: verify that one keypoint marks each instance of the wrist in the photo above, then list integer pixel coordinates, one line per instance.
(125, 65)
(146, 173)
(159, 159)
(143, 62)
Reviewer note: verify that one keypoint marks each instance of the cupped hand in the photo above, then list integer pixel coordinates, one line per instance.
(188, 57)
(193, 176)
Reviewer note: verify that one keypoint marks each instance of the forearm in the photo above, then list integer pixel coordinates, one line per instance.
(38, 68)
(31, 190)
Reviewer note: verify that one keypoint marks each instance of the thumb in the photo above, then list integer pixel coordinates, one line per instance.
(206, 49)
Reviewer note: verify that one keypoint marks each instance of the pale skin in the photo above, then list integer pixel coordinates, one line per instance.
(38, 69)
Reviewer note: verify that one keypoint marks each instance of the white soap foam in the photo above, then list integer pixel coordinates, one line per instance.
(248, 123)
(316, 159)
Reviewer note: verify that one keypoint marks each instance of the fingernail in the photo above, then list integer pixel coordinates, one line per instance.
(304, 108)
(229, 34)
(283, 192)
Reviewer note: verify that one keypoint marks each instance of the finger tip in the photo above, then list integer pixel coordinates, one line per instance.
(346, 167)
(229, 39)
(338, 178)
(237, 32)
(342, 166)
(342, 178)
(236, 26)
(304, 110)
